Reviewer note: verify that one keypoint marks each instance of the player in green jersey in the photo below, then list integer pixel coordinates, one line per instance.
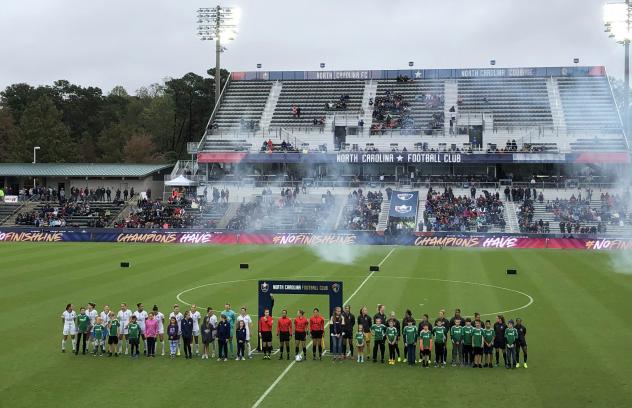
(133, 330)
(511, 337)
(83, 330)
(488, 345)
(410, 338)
(440, 336)
(97, 335)
(113, 335)
(360, 343)
(477, 344)
(456, 335)
(391, 337)
(378, 330)
(467, 342)
(425, 345)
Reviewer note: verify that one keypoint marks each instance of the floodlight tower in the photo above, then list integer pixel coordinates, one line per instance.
(618, 22)
(218, 24)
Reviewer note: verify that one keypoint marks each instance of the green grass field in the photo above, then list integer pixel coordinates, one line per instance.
(578, 331)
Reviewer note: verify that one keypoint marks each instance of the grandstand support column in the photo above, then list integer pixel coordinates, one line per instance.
(626, 101)
(218, 53)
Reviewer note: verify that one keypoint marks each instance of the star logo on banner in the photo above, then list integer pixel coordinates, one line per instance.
(400, 158)
(418, 74)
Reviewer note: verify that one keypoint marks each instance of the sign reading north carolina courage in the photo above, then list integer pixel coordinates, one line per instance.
(398, 157)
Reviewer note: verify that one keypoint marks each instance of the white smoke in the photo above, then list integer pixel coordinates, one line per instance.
(341, 254)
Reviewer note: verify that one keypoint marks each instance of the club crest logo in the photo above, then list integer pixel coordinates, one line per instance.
(265, 287)
(403, 209)
(405, 196)
(335, 288)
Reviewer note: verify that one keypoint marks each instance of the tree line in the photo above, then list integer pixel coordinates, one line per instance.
(72, 123)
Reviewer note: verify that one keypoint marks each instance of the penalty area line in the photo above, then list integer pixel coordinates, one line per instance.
(289, 367)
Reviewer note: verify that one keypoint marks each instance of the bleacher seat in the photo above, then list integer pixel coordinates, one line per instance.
(311, 97)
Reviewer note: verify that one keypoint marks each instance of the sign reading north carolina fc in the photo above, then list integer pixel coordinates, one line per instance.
(398, 157)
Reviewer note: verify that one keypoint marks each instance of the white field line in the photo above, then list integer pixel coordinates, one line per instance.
(289, 367)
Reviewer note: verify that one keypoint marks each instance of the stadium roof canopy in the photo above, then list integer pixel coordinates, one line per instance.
(79, 169)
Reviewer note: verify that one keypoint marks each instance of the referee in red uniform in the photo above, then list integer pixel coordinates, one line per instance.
(284, 331)
(316, 328)
(265, 332)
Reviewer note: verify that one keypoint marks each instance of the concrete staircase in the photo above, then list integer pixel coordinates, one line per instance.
(557, 112)
(370, 91)
(511, 218)
(268, 110)
(382, 222)
(451, 95)
(231, 211)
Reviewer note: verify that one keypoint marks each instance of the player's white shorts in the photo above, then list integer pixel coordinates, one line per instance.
(124, 330)
(196, 333)
(69, 330)
(161, 330)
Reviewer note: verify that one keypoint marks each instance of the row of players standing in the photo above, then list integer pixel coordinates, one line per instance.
(462, 353)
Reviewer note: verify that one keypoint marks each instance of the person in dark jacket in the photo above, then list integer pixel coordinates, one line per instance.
(365, 321)
(380, 314)
(426, 322)
(241, 334)
(186, 328)
(347, 337)
(223, 333)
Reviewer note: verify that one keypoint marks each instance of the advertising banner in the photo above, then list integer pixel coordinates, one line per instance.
(504, 241)
(404, 204)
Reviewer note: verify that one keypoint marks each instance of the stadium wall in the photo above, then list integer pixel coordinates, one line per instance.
(478, 240)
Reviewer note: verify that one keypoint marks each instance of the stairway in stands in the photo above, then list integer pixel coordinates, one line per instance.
(382, 222)
(271, 103)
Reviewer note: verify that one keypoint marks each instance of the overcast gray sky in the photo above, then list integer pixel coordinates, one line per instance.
(138, 42)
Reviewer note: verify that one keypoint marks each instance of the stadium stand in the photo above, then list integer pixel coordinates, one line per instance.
(242, 106)
(422, 110)
(312, 99)
(513, 102)
(287, 212)
(361, 212)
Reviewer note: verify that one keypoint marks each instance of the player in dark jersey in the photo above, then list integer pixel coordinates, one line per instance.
(347, 337)
(521, 343)
(499, 338)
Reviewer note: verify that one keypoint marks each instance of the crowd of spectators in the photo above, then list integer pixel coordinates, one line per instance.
(339, 104)
(53, 215)
(447, 212)
(361, 211)
(285, 211)
(389, 112)
(269, 146)
(177, 212)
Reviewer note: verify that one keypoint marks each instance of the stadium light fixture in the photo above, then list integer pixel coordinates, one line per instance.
(258, 66)
(492, 62)
(617, 16)
(411, 63)
(218, 24)
(322, 65)
(576, 60)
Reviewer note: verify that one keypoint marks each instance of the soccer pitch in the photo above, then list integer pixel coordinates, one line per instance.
(575, 305)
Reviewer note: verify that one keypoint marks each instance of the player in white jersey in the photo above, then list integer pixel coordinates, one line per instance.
(176, 313)
(141, 316)
(195, 315)
(161, 326)
(105, 318)
(70, 329)
(248, 323)
(92, 313)
(124, 315)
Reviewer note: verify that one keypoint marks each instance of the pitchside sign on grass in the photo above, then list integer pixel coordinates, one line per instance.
(268, 288)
